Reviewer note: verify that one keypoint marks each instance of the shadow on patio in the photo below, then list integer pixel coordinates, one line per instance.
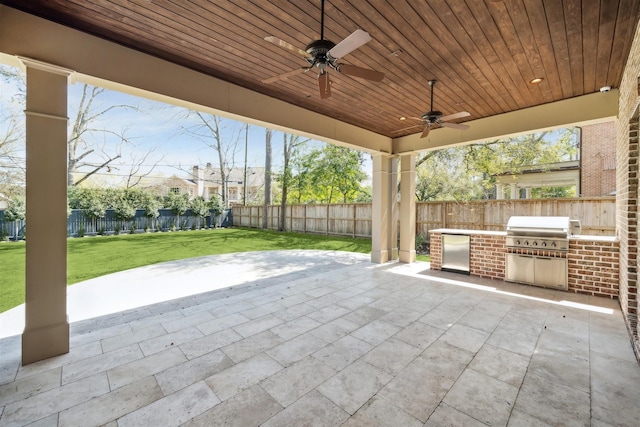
(328, 338)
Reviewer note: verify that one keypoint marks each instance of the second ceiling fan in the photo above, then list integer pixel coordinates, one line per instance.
(433, 119)
(324, 54)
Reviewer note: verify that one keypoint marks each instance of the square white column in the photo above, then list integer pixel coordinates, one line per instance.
(46, 332)
(408, 208)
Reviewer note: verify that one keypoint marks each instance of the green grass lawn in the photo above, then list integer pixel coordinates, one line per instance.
(91, 257)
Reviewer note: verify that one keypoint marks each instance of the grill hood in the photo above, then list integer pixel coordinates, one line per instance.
(539, 226)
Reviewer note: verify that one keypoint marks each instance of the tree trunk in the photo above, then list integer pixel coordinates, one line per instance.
(267, 179)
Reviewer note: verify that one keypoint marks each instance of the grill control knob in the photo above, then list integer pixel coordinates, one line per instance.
(544, 244)
(553, 244)
(518, 242)
(526, 243)
(535, 243)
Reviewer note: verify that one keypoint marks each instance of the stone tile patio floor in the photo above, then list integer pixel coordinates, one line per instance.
(328, 338)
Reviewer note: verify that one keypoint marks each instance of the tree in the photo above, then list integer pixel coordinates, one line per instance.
(151, 206)
(468, 172)
(290, 144)
(90, 201)
(80, 148)
(178, 203)
(200, 208)
(12, 137)
(123, 210)
(15, 212)
(224, 142)
(301, 169)
(337, 174)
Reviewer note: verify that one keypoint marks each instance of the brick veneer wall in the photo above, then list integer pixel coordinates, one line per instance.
(593, 265)
(594, 268)
(488, 256)
(627, 157)
(597, 158)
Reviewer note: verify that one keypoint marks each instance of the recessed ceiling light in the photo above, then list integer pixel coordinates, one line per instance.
(536, 80)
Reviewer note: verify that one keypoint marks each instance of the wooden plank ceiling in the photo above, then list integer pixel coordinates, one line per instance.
(482, 52)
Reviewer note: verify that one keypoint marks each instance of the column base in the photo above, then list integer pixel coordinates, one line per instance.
(379, 257)
(43, 343)
(407, 256)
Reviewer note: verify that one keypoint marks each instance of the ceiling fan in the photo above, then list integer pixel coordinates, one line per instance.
(434, 119)
(324, 54)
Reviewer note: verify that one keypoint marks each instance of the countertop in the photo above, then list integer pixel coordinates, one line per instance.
(504, 233)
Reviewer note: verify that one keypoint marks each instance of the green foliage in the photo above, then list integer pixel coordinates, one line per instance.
(89, 200)
(215, 204)
(178, 203)
(151, 206)
(124, 210)
(16, 210)
(329, 174)
(553, 192)
(200, 207)
(468, 172)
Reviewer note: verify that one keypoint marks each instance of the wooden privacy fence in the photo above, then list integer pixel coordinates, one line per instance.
(596, 215)
(345, 219)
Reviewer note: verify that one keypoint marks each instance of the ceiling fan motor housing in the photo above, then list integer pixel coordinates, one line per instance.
(432, 116)
(319, 50)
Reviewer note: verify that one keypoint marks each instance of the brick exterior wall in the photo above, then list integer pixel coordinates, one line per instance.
(435, 251)
(627, 189)
(597, 160)
(488, 256)
(594, 268)
(593, 264)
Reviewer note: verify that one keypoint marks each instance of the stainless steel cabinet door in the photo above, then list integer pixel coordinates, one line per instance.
(520, 268)
(551, 272)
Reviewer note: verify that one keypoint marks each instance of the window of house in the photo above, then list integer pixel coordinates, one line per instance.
(174, 190)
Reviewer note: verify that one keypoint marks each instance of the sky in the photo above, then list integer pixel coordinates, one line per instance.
(157, 130)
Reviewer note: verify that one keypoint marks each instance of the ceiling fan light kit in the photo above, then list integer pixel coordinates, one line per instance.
(324, 55)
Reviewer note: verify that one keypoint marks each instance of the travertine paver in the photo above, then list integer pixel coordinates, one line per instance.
(329, 339)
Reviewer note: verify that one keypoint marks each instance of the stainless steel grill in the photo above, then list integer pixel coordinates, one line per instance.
(539, 232)
(537, 248)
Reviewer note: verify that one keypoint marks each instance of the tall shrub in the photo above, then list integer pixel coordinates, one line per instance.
(200, 209)
(16, 211)
(178, 203)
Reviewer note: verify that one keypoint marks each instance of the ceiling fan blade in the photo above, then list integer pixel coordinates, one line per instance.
(425, 132)
(324, 85)
(458, 126)
(404, 129)
(363, 73)
(351, 43)
(287, 46)
(454, 116)
(283, 76)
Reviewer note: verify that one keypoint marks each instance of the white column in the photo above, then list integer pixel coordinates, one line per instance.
(46, 332)
(499, 192)
(382, 209)
(527, 193)
(394, 207)
(408, 208)
(514, 192)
